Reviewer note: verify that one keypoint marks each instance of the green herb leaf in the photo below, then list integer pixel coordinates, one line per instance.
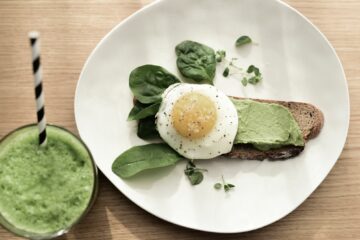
(254, 79)
(140, 158)
(220, 55)
(244, 81)
(253, 69)
(196, 61)
(189, 171)
(140, 111)
(191, 164)
(242, 41)
(227, 186)
(217, 186)
(147, 128)
(148, 82)
(196, 178)
(193, 173)
(226, 72)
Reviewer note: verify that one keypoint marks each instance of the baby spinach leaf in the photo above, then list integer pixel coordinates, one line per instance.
(147, 128)
(140, 110)
(140, 158)
(148, 82)
(242, 41)
(196, 61)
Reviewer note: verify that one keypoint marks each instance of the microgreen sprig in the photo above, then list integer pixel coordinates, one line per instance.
(194, 174)
(220, 55)
(227, 186)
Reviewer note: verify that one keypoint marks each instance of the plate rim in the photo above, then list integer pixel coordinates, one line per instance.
(156, 2)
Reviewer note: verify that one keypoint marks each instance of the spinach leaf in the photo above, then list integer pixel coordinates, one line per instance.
(148, 82)
(242, 41)
(147, 128)
(140, 110)
(140, 158)
(196, 61)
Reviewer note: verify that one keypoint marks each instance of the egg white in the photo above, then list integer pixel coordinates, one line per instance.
(218, 141)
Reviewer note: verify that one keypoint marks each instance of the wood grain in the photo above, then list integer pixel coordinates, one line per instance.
(71, 29)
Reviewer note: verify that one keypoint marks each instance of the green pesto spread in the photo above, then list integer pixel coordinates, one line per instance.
(266, 125)
(44, 189)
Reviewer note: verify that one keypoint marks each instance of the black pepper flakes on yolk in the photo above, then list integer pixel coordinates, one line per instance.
(194, 115)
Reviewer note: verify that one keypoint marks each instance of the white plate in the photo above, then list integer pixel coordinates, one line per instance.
(298, 64)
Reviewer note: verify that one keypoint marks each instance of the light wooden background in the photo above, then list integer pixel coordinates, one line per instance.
(71, 29)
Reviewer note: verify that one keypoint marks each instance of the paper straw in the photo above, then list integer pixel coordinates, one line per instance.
(40, 108)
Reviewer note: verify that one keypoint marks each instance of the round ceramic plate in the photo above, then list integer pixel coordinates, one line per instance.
(298, 64)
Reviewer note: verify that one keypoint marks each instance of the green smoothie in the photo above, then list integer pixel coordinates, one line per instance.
(44, 189)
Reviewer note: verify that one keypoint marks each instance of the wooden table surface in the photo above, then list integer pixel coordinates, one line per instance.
(71, 29)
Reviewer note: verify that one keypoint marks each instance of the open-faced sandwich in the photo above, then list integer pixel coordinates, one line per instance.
(198, 121)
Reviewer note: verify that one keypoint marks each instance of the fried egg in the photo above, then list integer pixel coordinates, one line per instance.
(197, 121)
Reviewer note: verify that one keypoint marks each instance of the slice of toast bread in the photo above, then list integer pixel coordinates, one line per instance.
(310, 120)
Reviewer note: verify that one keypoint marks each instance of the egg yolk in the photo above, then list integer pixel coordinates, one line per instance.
(194, 115)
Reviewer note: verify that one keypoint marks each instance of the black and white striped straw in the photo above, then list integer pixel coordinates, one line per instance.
(40, 108)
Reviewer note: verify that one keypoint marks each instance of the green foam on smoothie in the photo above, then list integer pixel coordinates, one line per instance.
(44, 189)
